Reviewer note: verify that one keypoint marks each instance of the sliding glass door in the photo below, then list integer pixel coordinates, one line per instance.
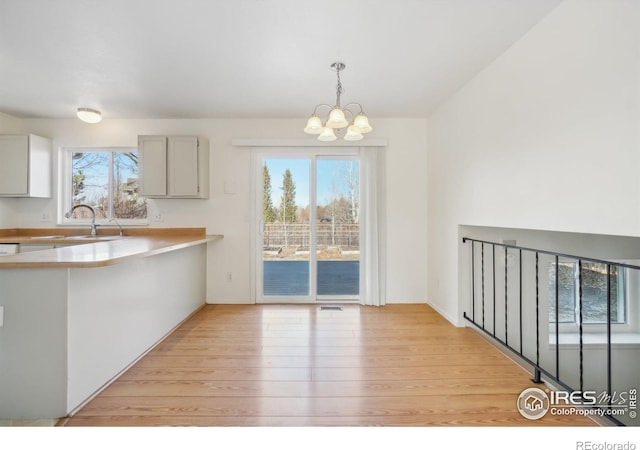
(308, 207)
(286, 234)
(337, 227)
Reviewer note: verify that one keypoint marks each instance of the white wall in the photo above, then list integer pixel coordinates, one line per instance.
(406, 216)
(8, 214)
(9, 124)
(547, 137)
(229, 213)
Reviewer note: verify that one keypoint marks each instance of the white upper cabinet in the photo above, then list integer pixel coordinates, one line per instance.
(182, 166)
(25, 166)
(173, 166)
(152, 165)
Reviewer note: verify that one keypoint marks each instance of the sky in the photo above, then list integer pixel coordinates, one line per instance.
(328, 178)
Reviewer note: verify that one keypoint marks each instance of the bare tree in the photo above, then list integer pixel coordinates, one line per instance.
(351, 178)
(91, 184)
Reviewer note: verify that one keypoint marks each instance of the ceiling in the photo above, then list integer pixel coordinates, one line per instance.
(247, 58)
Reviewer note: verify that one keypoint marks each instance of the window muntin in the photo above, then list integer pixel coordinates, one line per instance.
(594, 293)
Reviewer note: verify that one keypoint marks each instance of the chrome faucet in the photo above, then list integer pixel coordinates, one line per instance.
(93, 212)
(119, 226)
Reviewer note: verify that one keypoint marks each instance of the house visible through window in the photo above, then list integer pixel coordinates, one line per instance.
(594, 293)
(107, 180)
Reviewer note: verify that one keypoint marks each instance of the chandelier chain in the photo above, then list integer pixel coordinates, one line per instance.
(338, 87)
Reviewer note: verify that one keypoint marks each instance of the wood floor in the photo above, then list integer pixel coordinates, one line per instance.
(297, 365)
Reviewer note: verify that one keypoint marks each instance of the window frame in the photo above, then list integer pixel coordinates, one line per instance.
(314, 154)
(631, 311)
(65, 193)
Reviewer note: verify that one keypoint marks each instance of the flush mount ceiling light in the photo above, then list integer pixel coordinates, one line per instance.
(89, 115)
(336, 120)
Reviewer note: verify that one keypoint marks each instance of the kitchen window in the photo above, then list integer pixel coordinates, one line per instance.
(107, 180)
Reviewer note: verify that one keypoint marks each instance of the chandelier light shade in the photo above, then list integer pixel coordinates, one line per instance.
(327, 135)
(336, 120)
(314, 125)
(361, 123)
(89, 115)
(353, 134)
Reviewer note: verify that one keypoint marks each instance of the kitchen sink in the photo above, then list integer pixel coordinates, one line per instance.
(95, 238)
(82, 236)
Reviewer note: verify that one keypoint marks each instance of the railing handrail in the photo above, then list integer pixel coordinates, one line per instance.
(549, 252)
(538, 369)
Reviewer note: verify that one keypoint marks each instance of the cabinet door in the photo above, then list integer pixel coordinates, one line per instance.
(40, 173)
(14, 165)
(152, 171)
(183, 166)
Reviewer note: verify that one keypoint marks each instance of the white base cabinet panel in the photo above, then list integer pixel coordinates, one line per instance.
(68, 332)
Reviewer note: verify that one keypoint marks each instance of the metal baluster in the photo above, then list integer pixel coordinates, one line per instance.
(482, 255)
(473, 281)
(557, 318)
(493, 273)
(506, 288)
(520, 295)
(580, 318)
(609, 333)
(537, 374)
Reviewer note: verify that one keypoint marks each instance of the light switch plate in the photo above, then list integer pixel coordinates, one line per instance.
(1, 316)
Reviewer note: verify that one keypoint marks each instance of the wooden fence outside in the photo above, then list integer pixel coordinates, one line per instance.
(346, 235)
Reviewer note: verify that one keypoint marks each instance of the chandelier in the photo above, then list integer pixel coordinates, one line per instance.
(336, 120)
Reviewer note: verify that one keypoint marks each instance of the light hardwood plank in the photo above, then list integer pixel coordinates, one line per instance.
(348, 411)
(300, 406)
(448, 420)
(295, 365)
(262, 388)
(423, 373)
(393, 361)
(175, 349)
(239, 374)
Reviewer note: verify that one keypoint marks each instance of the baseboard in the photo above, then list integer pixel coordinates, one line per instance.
(454, 322)
(405, 302)
(219, 301)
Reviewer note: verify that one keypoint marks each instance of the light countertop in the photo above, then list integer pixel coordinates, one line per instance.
(95, 251)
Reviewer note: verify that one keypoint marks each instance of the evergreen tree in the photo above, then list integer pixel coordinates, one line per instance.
(268, 212)
(288, 200)
(77, 180)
